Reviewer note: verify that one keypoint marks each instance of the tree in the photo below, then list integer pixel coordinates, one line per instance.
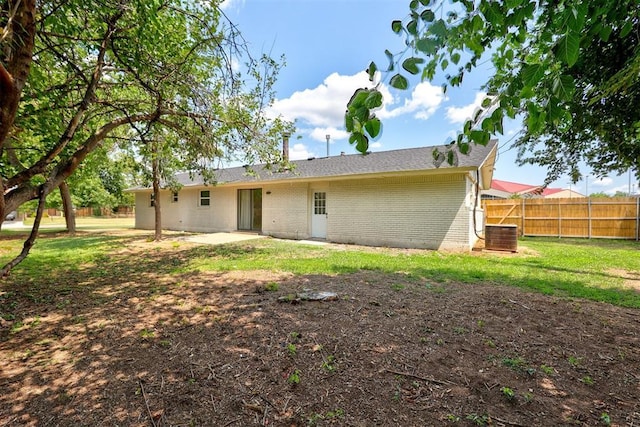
(599, 195)
(74, 73)
(568, 69)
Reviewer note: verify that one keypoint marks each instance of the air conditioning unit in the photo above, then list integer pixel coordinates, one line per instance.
(501, 237)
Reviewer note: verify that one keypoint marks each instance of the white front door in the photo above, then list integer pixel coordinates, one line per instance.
(319, 215)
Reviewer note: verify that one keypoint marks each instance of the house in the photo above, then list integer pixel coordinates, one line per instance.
(394, 198)
(506, 189)
(561, 193)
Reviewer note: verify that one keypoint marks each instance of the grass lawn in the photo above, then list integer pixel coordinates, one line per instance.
(85, 223)
(599, 270)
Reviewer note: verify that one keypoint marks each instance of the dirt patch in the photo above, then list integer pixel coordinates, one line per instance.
(631, 278)
(141, 347)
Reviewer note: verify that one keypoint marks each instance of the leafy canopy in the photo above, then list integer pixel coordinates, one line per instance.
(98, 71)
(568, 69)
(80, 75)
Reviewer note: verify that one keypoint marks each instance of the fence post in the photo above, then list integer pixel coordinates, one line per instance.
(523, 217)
(637, 218)
(589, 216)
(559, 221)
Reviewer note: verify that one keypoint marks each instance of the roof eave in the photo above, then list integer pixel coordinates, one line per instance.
(487, 167)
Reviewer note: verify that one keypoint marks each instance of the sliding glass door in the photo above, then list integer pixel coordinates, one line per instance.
(250, 209)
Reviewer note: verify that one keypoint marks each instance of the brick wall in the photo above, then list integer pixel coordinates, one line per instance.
(420, 212)
(432, 212)
(285, 210)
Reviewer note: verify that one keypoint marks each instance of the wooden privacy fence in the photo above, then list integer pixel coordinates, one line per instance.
(120, 211)
(612, 218)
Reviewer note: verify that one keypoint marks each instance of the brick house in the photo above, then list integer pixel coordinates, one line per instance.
(395, 198)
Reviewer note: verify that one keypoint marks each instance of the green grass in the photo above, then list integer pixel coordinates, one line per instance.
(574, 268)
(85, 223)
(591, 269)
(52, 256)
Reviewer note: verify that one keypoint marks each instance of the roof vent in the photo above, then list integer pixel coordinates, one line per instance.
(311, 158)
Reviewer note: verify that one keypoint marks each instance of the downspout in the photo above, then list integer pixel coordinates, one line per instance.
(475, 205)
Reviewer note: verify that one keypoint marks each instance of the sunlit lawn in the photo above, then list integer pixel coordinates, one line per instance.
(85, 223)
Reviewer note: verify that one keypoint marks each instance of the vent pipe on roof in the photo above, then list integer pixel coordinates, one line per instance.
(328, 138)
(285, 147)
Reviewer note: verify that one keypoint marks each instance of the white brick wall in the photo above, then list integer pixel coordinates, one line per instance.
(186, 215)
(432, 212)
(285, 210)
(419, 212)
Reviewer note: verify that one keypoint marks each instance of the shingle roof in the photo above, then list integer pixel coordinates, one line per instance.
(404, 160)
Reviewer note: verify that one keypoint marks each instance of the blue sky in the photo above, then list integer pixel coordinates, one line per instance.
(328, 44)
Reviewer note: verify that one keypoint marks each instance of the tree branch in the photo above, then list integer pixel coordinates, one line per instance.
(28, 244)
(72, 127)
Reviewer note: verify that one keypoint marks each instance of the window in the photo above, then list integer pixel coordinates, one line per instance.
(205, 198)
(320, 203)
(152, 200)
(174, 197)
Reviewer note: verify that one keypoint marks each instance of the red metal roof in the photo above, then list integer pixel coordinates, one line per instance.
(517, 188)
(512, 187)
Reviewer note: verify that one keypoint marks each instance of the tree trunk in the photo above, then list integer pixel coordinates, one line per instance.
(67, 208)
(156, 196)
(32, 237)
(15, 62)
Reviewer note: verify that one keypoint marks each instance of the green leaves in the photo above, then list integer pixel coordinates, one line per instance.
(427, 45)
(563, 87)
(371, 70)
(438, 28)
(373, 100)
(411, 65)
(373, 127)
(428, 15)
(531, 74)
(556, 65)
(626, 29)
(360, 140)
(479, 137)
(360, 122)
(568, 48)
(399, 82)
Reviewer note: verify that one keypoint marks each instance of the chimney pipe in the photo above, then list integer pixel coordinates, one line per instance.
(328, 138)
(285, 147)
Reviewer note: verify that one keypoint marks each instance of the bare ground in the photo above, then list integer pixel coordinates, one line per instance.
(139, 347)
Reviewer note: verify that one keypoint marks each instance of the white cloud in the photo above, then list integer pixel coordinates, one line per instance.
(324, 105)
(320, 134)
(621, 188)
(375, 145)
(229, 4)
(462, 114)
(602, 182)
(320, 111)
(299, 152)
(424, 101)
